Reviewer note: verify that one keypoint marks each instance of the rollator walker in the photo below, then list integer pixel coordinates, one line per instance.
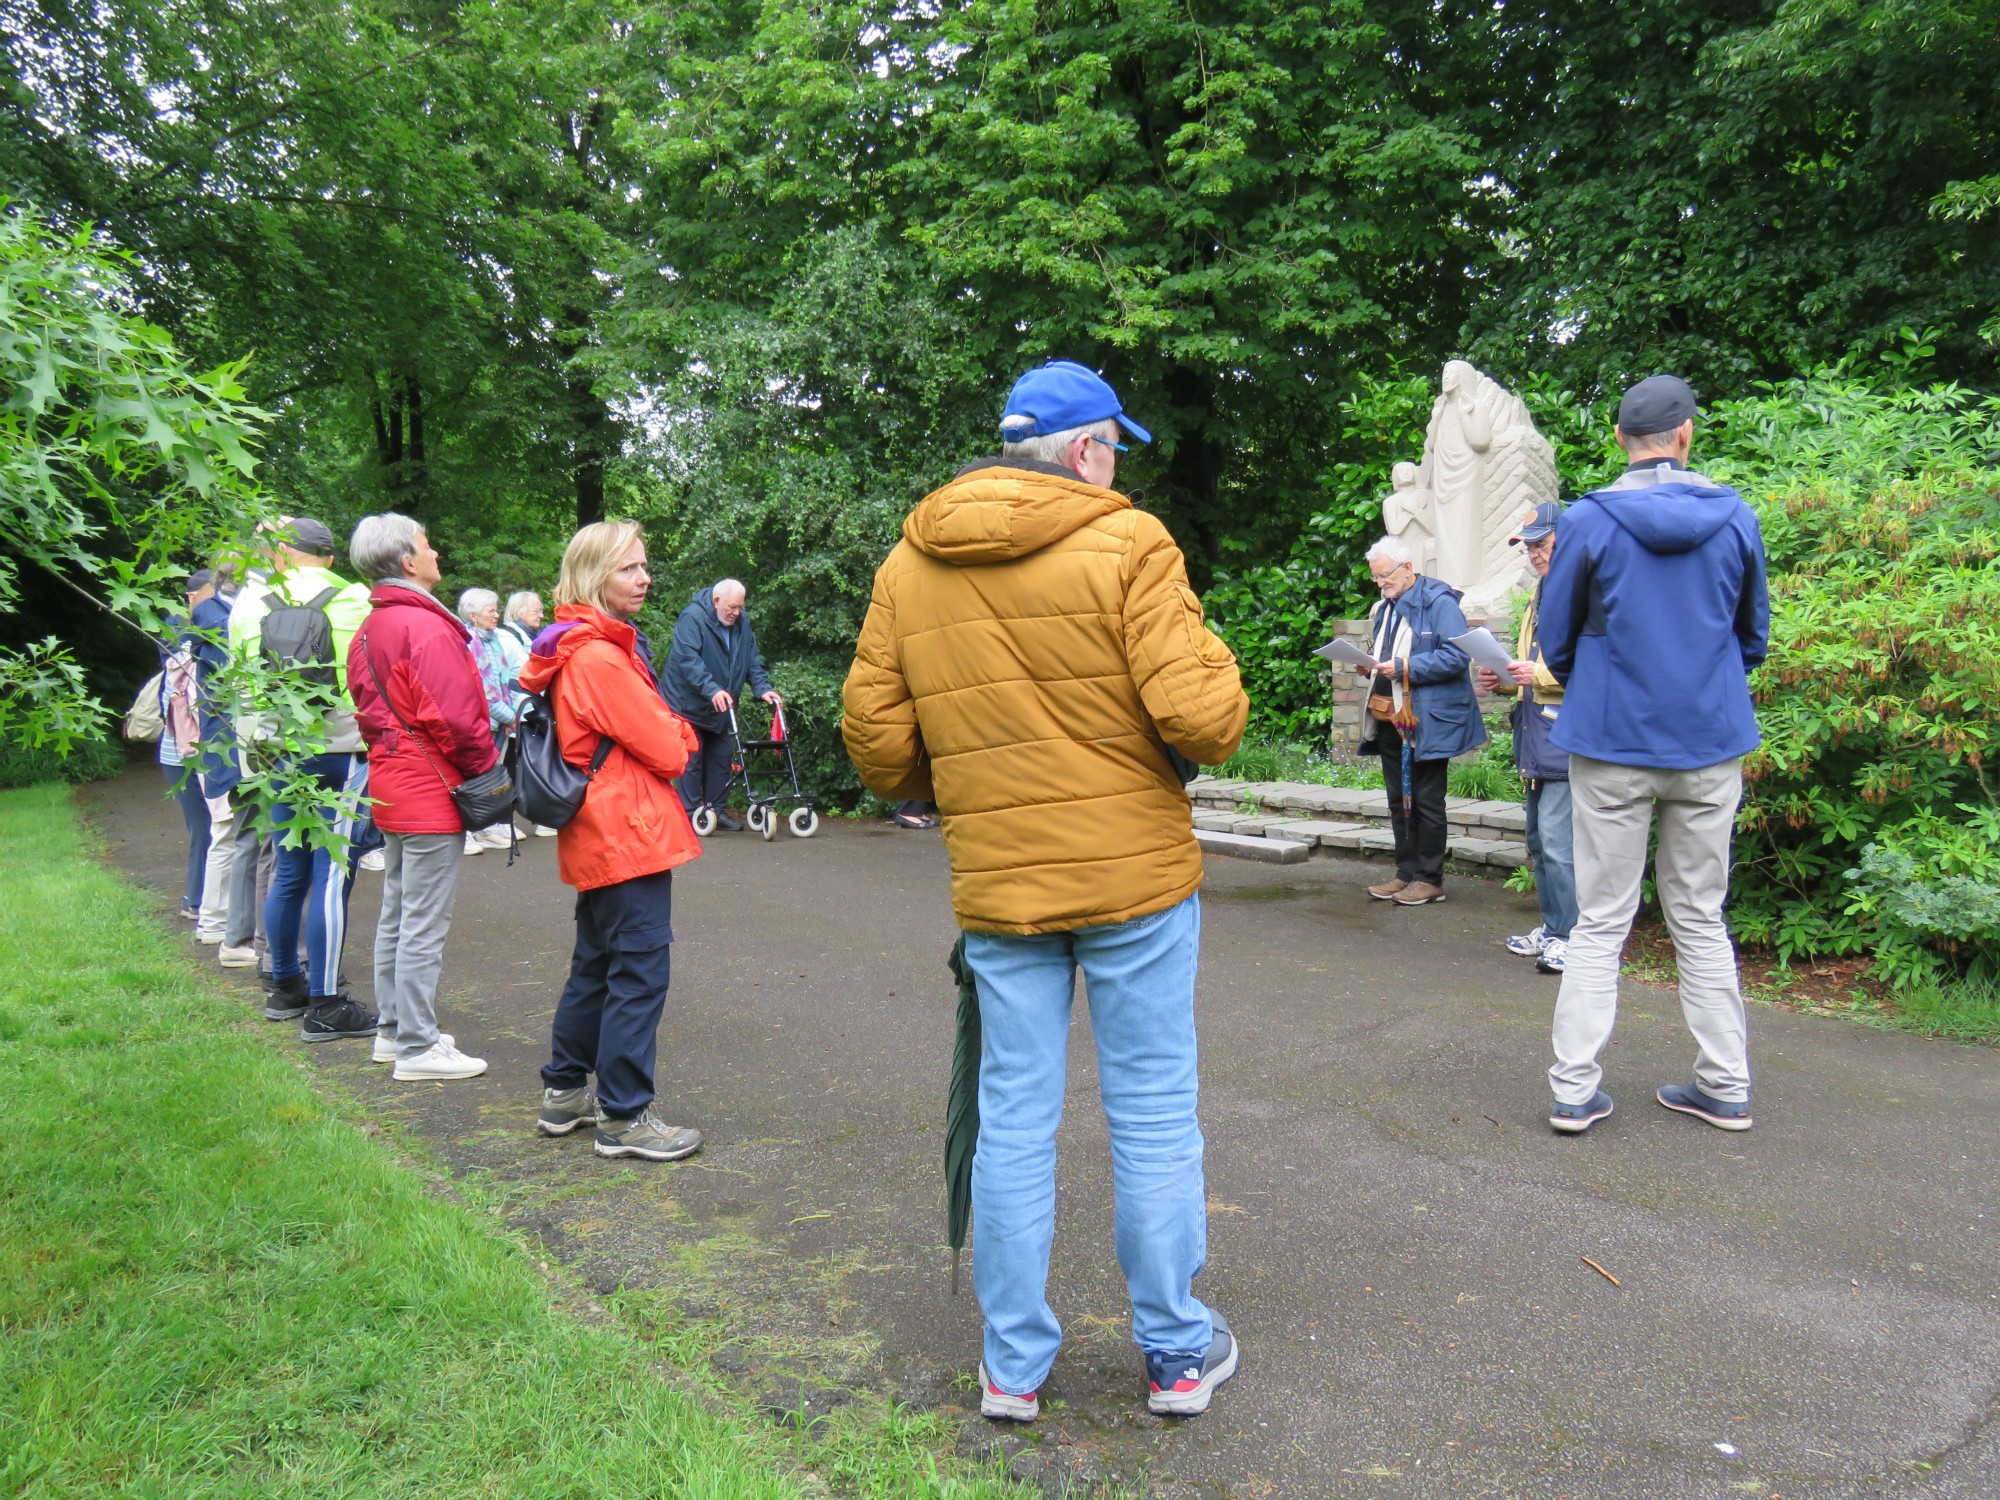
(761, 809)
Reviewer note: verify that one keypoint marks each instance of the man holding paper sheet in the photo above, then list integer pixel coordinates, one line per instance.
(1544, 768)
(1417, 671)
(1653, 613)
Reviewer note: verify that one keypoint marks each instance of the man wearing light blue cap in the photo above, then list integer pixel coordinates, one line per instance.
(1033, 660)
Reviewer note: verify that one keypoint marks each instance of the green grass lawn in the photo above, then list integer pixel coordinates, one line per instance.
(214, 1283)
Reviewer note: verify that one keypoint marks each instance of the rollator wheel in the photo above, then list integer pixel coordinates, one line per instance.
(769, 827)
(805, 822)
(703, 820)
(756, 815)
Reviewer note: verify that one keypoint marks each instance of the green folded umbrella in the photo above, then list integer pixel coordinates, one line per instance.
(961, 1111)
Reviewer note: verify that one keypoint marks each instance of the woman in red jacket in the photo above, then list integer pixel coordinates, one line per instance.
(619, 851)
(422, 711)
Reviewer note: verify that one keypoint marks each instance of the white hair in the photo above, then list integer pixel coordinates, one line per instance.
(728, 586)
(472, 601)
(381, 544)
(517, 604)
(1053, 447)
(1394, 548)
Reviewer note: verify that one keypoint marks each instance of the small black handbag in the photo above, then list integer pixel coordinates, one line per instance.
(481, 800)
(548, 790)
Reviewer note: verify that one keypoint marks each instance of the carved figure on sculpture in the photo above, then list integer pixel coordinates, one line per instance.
(1406, 513)
(1484, 464)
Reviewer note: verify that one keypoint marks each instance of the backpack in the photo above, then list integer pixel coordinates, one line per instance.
(143, 720)
(548, 790)
(298, 638)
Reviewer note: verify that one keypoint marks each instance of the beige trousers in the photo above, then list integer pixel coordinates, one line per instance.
(1613, 810)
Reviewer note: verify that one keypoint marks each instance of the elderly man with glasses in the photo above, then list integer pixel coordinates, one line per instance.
(1421, 712)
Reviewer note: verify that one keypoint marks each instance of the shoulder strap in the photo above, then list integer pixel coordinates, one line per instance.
(324, 597)
(605, 744)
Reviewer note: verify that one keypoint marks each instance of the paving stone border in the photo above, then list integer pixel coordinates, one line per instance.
(1484, 837)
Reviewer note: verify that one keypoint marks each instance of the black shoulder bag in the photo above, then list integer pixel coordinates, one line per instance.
(547, 789)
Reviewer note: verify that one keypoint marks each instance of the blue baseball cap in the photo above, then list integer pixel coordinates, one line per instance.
(1060, 395)
(1539, 522)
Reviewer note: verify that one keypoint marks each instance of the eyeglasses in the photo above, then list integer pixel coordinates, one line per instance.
(1107, 443)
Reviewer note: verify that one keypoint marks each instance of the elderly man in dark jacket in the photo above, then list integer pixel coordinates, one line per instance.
(713, 653)
(1411, 631)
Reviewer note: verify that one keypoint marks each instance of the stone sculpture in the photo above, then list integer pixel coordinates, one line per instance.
(1484, 466)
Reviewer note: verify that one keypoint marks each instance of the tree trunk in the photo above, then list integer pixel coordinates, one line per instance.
(1194, 473)
(593, 431)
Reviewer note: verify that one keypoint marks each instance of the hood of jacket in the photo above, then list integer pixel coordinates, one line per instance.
(1675, 515)
(576, 625)
(1000, 509)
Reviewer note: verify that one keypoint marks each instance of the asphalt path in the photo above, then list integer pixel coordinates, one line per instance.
(1808, 1309)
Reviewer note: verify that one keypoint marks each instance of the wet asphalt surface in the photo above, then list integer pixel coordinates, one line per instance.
(1811, 1309)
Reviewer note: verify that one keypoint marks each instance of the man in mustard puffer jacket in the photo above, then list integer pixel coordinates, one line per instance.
(1032, 651)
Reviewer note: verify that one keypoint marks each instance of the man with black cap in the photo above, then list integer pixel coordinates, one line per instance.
(301, 628)
(1032, 653)
(1544, 769)
(1653, 613)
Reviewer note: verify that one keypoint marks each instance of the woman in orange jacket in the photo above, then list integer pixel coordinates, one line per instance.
(619, 851)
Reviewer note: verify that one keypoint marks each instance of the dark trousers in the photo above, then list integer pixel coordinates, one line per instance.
(608, 1019)
(186, 787)
(1420, 838)
(707, 770)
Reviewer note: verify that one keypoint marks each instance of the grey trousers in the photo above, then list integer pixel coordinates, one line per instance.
(251, 859)
(221, 855)
(419, 883)
(1613, 809)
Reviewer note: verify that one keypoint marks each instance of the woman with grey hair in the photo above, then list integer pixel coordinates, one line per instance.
(499, 657)
(522, 618)
(418, 700)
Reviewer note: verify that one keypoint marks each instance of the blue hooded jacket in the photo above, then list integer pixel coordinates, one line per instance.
(1654, 611)
(705, 658)
(1448, 721)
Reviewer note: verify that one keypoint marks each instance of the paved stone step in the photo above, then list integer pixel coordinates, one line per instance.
(1249, 846)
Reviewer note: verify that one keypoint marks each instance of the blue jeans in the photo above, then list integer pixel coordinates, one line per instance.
(1139, 982)
(311, 886)
(186, 788)
(1549, 846)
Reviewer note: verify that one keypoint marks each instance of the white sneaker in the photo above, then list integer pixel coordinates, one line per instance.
(499, 836)
(209, 935)
(1555, 954)
(237, 958)
(543, 831)
(375, 859)
(1529, 944)
(385, 1046)
(473, 845)
(441, 1060)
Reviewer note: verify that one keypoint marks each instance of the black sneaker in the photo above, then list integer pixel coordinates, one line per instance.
(285, 999)
(1179, 1385)
(335, 1016)
(728, 821)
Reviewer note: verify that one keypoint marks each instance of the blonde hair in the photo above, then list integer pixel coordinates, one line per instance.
(589, 560)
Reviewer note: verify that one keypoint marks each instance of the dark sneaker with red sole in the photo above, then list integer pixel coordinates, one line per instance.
(1179, 1385)
(1687, 1099)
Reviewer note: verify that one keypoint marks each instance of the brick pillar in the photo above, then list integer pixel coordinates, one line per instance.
(1349, 693)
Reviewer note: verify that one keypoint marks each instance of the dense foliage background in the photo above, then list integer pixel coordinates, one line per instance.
(758, 274)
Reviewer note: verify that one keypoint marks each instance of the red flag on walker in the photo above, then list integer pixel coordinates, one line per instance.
(778, 723)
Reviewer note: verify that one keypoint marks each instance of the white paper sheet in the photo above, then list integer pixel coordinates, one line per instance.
(1345, 652)
(1484, 650)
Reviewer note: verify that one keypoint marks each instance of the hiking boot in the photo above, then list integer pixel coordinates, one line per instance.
(1574, 1119)
(231, 957)
(1386, 891)
(1528, 944)
(1419, 893)
(565, 1109)
(440, 1060)
(1179, 1385)
(1688, 1099)
(994, 1402)
(333, 1017)
(285, 999)
(1555, 954)
(646, 1137)
(385, 1045)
